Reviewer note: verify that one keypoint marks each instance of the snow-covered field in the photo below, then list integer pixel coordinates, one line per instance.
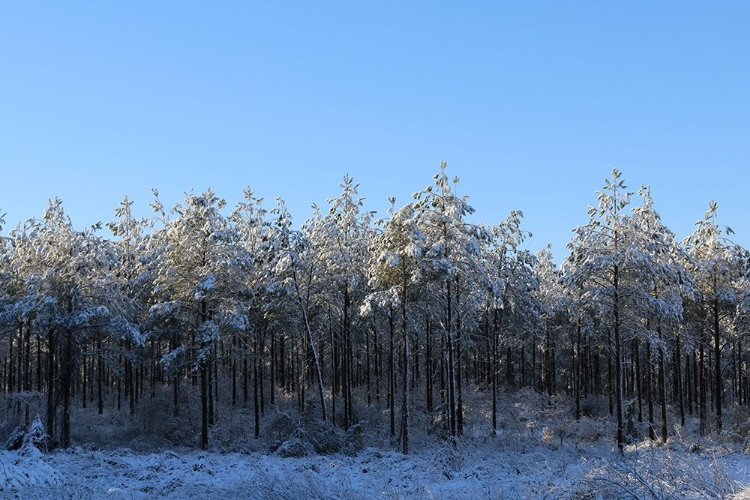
(477, 469)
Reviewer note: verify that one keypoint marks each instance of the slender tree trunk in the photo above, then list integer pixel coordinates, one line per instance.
(348, 360)
(51, 410)
(618, 360)
(741, 381)
(702, 403)
(459, 365)
(204, 405)
(495, 367)
(39, 364)
(717, 362)
(428, 364)
(650, 393)
(662, 390)
(256, 390)
(84, 380)
(65, 387)
(392, 375)
(334, 366)
(678, 378)
(451, 363)
(131, 380)
(378, 361)
(234, 370)
(691, 383)
(405, 388)
(610, 377)
(100, 378)
(638, 379)
(577, 361)
(272, 394)
(368, 368)
(245, 378)
(316, 360)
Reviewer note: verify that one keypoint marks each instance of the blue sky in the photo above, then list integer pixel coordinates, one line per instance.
(531, 104)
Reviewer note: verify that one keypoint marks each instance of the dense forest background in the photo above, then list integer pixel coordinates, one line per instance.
(207, 317)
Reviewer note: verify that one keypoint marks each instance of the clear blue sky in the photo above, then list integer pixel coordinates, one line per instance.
(531, 103)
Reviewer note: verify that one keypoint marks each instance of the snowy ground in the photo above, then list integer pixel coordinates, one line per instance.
(481, 469)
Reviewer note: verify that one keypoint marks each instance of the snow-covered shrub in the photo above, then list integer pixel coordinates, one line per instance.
(548, 435)
(311, 436)
(305, 483)
(594, 406)
(324, 437)
(281, 425)
(739, 431)
(15, 440)
(37, 436)
(109, 430)
(354, 441)
(294, 448)
(630, 421)
(657, 474)
(589, 430)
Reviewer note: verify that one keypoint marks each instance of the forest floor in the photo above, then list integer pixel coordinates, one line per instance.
(473, 471)
(535, 454)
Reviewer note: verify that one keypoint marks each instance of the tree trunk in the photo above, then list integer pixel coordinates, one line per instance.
(450, 341)
(495, 368)
(204, 405)
(51, 410)
(256, 389)
(66, 383)
(318, 370)
(405, 388)
(717, 362)
(650, 394)
(459, 365)
(702, 403)
(392, 375)
(100, 378)
(334, 366)
(678, 379)
(618, 361)
(662, 391)
(428, 364)
(638, 379)
(577, 370)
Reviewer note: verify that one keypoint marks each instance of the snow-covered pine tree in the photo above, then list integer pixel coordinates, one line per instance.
(553, 305)
(510, 281)
(451, 259)
(193, 252)
(66, 276)
(599, 265)
(395, 276)
(295, 275)
(660, 269)
(342, 240)
(130, 289)
(252, 270)
(717, 265)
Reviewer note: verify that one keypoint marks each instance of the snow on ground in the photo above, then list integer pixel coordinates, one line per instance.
(478, 469)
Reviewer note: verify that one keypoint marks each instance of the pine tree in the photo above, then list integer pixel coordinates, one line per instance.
(294, 275)
(192, 272)
(451, 260)
(716, 264)
(599, 263)
(341, 239)
(396, 274)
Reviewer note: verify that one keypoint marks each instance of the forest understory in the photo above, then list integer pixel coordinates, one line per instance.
(539, 451)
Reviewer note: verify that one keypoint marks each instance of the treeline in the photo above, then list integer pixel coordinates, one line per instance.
(405, 314)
